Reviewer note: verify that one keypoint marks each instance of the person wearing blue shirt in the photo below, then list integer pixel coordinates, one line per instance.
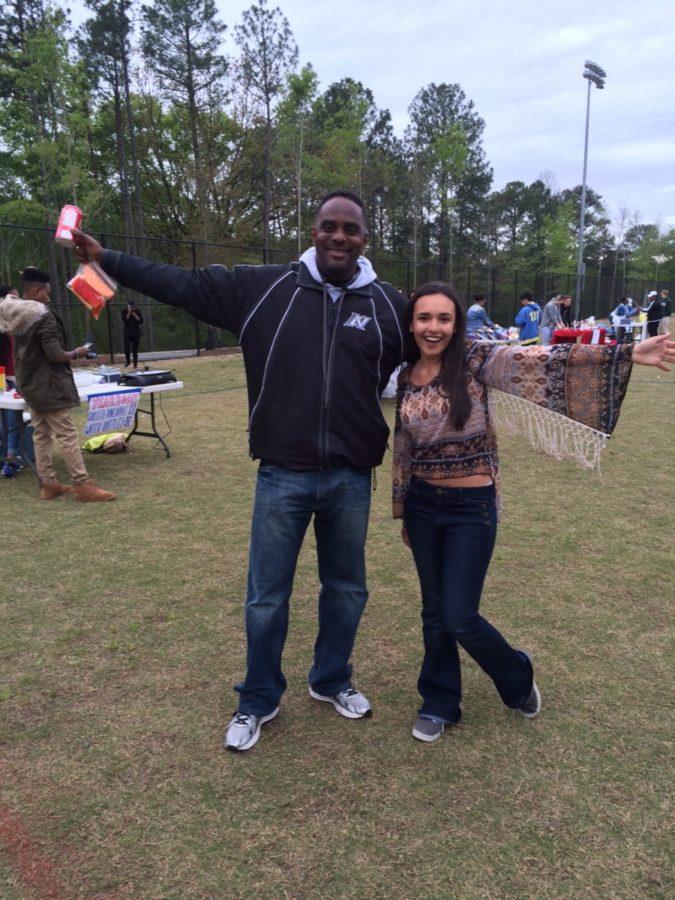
(621, 315)
(528, 319)
(476, 316)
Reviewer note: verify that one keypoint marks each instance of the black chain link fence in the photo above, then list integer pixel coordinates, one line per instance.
(169, 329)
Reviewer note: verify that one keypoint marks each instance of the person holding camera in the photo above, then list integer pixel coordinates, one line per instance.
(132, 319)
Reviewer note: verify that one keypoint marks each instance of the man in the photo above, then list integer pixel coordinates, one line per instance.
(550, 318)
(132, 319)
(654, 311)
(45, 379)
(476, 315)
(566, 311)
(667, 308)
(320, 339)
(528, 319)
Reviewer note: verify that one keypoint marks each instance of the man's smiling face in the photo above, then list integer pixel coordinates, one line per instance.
(340, 235)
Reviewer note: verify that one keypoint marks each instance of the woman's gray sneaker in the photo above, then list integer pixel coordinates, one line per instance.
(349, 703)
(244, 730)
(427, 730)
(532, 705)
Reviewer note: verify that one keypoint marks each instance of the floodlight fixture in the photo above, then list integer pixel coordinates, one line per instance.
(595, 68)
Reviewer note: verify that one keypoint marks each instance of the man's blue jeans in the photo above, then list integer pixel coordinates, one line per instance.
(452, 533)
(285, 501)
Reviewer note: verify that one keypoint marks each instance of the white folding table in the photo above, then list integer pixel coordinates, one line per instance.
(9, 401)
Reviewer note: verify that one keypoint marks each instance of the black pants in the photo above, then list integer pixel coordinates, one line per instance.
(452, 533)
(653, 328)
(131, 346)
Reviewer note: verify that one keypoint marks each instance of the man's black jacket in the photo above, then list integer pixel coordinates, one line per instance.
(315, 367)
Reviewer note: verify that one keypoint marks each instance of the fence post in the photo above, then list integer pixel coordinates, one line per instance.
(196, 321)
(468, 283)
(111, 353)
(110, 335)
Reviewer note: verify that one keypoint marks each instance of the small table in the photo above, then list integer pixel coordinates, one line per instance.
(579, 335)
(9, 401)
(633, 327)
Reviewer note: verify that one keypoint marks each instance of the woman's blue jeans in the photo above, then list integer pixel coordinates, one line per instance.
(285, 502)
(452, 533)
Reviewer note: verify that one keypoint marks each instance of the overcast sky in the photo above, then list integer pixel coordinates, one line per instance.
(521, 64)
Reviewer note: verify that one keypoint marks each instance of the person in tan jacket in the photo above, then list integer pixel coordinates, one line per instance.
(45, 379)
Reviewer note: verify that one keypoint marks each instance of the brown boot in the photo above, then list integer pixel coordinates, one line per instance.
(87, 492)
(49, 490)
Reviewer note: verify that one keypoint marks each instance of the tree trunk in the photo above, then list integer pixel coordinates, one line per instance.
(138, 200)
(122, 163)
(267, 189)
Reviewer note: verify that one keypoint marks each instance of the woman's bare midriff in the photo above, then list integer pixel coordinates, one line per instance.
(463, 481)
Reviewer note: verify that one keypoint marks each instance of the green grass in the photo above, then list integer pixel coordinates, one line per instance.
(121, 634)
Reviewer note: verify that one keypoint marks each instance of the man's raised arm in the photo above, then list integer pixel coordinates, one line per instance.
(214, 295)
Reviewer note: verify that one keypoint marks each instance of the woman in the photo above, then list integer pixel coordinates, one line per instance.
(445, 479)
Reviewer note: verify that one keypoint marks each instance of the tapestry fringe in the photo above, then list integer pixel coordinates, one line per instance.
(548, 431)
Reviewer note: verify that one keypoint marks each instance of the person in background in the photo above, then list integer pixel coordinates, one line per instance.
(566, 311)
(621, 316)
(550, 318)
(528, 318)
(11, 418)
(654, 310)
(667, 305)
(45, 379)
(476, 316)
(132, 319)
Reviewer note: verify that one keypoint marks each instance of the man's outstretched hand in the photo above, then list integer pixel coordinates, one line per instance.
(87, 248)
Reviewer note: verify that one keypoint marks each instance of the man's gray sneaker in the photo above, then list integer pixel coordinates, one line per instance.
(349, 703)
(532, 705)
(244, 730)
(427, 730)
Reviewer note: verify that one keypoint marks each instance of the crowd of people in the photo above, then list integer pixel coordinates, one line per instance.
(537, 325)
(320, 339)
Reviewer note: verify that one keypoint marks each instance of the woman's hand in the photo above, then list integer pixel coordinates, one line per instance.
(656, 351)
(404, 536)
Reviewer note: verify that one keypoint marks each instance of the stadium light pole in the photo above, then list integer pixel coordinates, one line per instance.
(596, 75)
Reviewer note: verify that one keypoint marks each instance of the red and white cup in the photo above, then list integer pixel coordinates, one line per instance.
(71, 217)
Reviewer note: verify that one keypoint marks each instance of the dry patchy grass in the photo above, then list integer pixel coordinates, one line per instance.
(122, 633)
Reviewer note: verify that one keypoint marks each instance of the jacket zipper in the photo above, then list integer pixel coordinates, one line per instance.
(332, 309)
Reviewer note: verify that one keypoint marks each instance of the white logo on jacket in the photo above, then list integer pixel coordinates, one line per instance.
(356, 320)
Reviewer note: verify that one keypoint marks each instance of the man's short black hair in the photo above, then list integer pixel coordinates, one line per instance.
(33, 275)
(527, 295)
(479, 298)
(348, 195)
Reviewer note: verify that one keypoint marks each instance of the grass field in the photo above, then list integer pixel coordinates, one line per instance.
(121, 635)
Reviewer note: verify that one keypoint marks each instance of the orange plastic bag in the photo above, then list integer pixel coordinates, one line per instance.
(93, 287)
